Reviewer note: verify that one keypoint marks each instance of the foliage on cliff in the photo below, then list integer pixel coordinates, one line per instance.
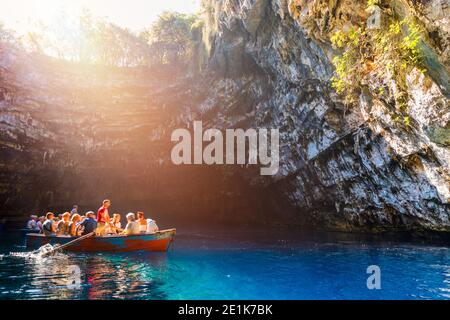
(171, 37)
(377, 57)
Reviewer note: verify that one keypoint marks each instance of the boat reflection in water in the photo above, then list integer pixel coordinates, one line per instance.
(128, 277)
(52, 277)
(100, 276)
(99, 267)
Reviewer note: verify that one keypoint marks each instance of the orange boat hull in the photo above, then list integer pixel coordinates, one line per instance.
(153, 242)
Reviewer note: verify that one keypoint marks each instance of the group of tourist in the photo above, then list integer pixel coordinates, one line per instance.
(73, 224)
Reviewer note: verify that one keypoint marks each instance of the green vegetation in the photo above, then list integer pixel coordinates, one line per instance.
(170, 40)
(101, 42)
(372, 58)
(171, 37)
(371, 3)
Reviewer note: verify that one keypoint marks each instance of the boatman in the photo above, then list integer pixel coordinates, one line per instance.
(103, 219)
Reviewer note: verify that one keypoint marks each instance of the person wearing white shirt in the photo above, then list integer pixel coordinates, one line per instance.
(32, 223)
(152, 227)
(132, 225)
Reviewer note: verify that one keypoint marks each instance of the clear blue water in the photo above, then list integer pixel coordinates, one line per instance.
(235, 265)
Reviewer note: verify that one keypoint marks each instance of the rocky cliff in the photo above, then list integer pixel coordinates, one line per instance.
(75, 134)
(78, 134)
(342, 167)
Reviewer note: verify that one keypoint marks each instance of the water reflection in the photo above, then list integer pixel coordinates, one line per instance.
(70, 276)
(125, 276)
(51, 277)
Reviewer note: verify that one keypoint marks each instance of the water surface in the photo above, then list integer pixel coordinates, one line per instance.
(238, 264)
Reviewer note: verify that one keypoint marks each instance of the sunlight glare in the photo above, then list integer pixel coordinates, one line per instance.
(20, 15)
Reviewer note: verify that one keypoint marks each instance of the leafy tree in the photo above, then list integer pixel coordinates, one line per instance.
(170, 37)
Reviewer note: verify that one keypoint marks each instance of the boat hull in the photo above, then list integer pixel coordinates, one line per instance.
(153, 242)
(27, 231)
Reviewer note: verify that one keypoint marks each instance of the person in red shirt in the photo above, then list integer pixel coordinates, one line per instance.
(103, 219)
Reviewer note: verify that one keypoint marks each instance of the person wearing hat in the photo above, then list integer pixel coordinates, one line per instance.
(32, 223)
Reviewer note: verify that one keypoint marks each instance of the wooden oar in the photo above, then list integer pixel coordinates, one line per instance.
(69, 244)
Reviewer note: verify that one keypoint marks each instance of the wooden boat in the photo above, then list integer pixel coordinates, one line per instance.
(158, 241)
(27, 231)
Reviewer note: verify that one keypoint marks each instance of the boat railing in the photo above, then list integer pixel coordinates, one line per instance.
(105, 236)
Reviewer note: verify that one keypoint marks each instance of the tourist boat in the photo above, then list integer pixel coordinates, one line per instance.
(27, 231)
(158, 242)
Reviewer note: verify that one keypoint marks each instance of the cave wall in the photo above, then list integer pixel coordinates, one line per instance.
(341, 168)
(76, 134)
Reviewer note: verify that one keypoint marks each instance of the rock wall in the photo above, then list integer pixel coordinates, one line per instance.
(76, 134)
(341, 168)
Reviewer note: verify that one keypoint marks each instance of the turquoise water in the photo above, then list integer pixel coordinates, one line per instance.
(234, 265)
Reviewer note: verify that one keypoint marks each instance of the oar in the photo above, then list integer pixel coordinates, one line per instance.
(69, 244)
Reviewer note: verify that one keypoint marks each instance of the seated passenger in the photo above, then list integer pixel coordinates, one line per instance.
(62, 228)
(142, 222)
(116, 225)
(49, 227)
(89, 224)
(32, 223)
(40, 222)
(132, 225)
(152, 227)
(74, 209)
(73, 225)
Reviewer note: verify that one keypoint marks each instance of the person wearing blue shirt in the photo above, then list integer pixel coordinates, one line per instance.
(89, 224)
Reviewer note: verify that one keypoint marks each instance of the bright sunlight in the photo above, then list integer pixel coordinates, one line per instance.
(103, 31)
(19, 15)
